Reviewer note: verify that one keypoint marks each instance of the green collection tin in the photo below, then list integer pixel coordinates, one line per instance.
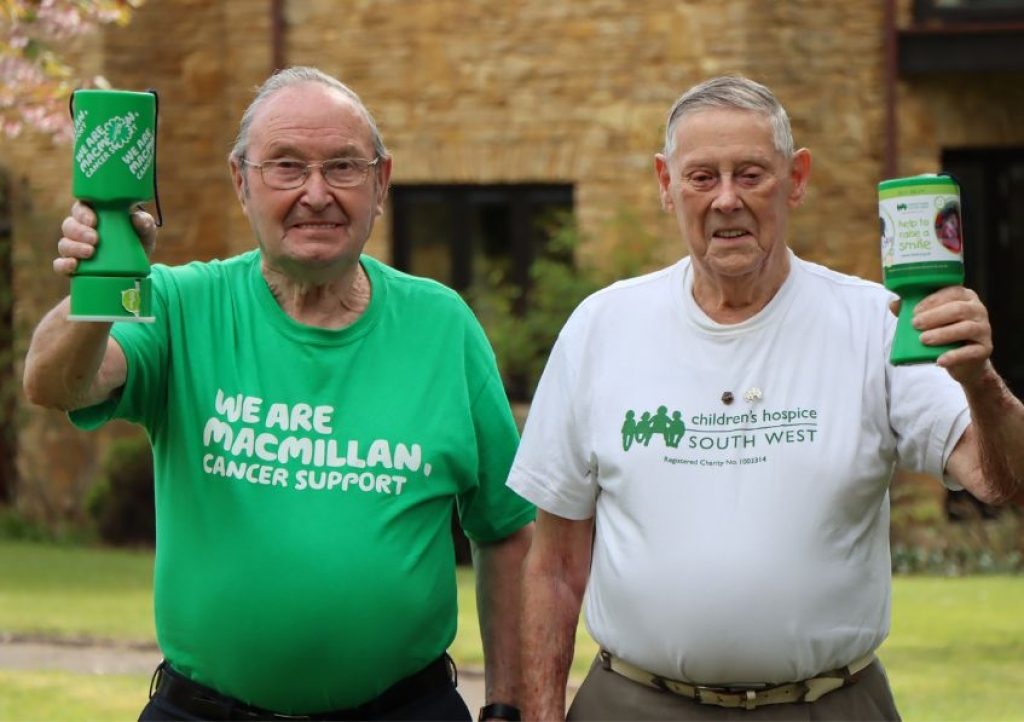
(113, 170)
(922, 251)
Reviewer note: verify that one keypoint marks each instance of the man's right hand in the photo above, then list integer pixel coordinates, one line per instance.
(80, 237)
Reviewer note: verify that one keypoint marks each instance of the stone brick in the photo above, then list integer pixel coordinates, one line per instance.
(498, 92)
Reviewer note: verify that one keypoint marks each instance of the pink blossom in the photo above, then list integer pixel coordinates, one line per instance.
(34, 80)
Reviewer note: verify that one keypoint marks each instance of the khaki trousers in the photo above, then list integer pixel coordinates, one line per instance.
(606, 695)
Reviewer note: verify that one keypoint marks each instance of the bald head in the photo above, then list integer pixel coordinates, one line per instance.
(292, 77)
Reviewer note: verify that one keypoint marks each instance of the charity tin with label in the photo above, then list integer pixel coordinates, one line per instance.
(922, 251)
(113, 170)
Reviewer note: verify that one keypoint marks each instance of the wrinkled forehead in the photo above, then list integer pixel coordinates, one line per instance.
(311, 113)
(709, 134)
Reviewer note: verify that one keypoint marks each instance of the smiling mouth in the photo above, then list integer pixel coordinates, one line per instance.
(316, 226)
(730, 233)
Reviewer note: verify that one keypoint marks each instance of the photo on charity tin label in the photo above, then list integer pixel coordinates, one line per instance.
(948, 228)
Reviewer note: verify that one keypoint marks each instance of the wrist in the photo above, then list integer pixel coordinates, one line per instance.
(499, 710)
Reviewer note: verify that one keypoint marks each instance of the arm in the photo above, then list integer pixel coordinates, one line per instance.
(74, 364)
(988, 460)
(556, 572)
(499, 568)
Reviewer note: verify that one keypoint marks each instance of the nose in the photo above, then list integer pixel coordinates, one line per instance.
(316, 193)
(727, 198)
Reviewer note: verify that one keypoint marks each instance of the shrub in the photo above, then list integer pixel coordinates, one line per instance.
(121, 502)
(15, 526)
(522, 326)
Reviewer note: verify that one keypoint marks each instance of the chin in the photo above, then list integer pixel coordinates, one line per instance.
(318, 251)
(737, 263)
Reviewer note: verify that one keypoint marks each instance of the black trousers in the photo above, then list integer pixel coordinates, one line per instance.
(444, 706)
(427, 695)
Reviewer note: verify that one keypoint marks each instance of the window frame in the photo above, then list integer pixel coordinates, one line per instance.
(522, 199)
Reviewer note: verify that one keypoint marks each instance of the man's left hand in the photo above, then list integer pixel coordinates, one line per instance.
(956, 315)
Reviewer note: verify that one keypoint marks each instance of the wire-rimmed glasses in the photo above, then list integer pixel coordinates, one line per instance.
(288, 173)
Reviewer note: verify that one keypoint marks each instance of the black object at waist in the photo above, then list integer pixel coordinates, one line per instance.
(208, 704)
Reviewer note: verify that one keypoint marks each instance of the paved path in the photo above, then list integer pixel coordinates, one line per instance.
(78, 658)
(81, 658)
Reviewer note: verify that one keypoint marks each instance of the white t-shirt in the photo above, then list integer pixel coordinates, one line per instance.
(743, 542)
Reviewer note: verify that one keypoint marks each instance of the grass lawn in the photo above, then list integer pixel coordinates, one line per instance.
(64, 591)
(47, 696)
(956, 651)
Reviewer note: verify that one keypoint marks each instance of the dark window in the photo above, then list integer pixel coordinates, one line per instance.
(969, 11)
(462, 234)
(992, 194)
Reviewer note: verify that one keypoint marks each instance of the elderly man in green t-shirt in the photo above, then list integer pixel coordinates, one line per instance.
(314, 416)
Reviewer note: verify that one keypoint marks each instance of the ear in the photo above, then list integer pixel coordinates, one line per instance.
(664, 175)
(799, 175)
(239, 181)
(383, 181)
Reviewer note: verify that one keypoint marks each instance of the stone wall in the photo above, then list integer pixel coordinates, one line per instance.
(496, 92)
(55, 466)
(204, 59)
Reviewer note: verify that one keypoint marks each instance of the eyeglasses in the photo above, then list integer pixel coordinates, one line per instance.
(287, 174)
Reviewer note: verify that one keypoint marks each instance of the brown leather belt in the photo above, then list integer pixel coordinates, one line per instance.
(808, 690)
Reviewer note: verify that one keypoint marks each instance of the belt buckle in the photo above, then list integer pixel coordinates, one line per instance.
(727, 696)
(817, 687)
(154, 681)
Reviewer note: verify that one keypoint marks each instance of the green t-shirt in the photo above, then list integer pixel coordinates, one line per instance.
(305, 479)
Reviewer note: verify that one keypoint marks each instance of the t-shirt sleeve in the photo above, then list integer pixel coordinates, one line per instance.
(553, 467)
(928, 413)
(145, 348)
(489, 510)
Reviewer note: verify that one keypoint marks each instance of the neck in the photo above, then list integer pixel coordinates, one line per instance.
(334, 303)
(733, 299)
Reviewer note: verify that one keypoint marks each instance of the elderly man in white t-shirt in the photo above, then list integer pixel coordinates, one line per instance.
(711, 446)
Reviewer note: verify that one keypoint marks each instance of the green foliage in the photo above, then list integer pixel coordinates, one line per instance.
(955, 562)
(14, 526)
(952, 534)
(121, 502)
(522, 327)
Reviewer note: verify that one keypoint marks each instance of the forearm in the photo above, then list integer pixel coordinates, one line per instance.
(64, 361)
(551, 610)
(499, 570)
(997, 420)
(555, 578)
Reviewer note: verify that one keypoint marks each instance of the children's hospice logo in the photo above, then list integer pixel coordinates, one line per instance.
(642, 430)
(714, 437)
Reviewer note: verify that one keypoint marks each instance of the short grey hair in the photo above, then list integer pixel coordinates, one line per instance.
(297, 76)
(737, 93)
